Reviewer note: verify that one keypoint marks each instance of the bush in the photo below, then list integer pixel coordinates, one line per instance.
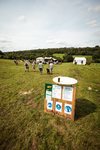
(97, 61)
(68, 58)
(88, 60)
(95, 56)
(59, 59)
(1, 56)
(1, 53)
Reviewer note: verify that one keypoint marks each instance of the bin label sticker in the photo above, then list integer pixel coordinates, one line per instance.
(58, 107)
(68, 109)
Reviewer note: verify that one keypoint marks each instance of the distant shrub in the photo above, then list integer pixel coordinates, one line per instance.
(88, 60)
(1, 53)
(97, 61)
(1, 56)
(59, 59)
(96, 56)
(68, 58)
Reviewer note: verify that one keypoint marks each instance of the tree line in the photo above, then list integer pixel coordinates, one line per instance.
(68, 52)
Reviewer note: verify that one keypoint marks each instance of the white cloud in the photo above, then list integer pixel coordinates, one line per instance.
(97, 33)
(22, 19)
(5, 40)
(77, 1)
(93, 24)
(5, 43)
(54, 3)
(55, 41)
(50, 41)
(34, 46)
(51, 23)
(50, 38)
(61, 42)
(90, 8)
(96, 9)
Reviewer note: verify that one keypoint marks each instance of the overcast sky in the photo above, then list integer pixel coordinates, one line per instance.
(33, 24)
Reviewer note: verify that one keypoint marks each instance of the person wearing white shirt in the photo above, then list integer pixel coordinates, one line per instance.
(51, 66)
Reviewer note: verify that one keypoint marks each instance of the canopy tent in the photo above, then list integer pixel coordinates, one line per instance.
(79, 61)
(39, 59)
(54, 59)
(49, 59)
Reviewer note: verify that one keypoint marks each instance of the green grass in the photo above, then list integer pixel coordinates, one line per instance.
(25, 126)
(82, 56)
(96, 64)
(58, 55)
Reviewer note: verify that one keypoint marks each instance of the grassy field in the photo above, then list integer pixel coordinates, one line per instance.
(58, 55)
(96, 64)
(25, 126)
(82, 56)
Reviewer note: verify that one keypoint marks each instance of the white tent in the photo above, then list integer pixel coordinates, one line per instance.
(54, 59)
(39, 59)
(49, 58)
(79, 61)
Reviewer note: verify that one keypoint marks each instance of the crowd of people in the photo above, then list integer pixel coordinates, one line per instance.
(40, 66)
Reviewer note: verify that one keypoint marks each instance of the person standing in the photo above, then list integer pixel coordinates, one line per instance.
(33, 65)
(26, 66)
(40, 67)
(34, 62)
(51, 66)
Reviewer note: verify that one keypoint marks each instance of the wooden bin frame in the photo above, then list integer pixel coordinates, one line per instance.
(62, 114)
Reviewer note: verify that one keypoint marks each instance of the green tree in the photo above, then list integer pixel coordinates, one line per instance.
(59, 59)
(96, 55)
(69, 58)
(64, 56)
(88, 60)
(1, 53)
(9, 56)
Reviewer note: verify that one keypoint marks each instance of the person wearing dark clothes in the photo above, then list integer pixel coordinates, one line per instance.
(26, 66)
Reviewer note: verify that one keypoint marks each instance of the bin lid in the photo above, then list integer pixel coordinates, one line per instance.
(65, 80)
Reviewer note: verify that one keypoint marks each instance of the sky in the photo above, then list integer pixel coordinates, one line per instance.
(41, 24)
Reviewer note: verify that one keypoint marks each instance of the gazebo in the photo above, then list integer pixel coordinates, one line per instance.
(79, 61)
(39, 59)
(46, 59)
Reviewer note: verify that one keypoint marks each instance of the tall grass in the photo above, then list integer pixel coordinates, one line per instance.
(25, 126)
